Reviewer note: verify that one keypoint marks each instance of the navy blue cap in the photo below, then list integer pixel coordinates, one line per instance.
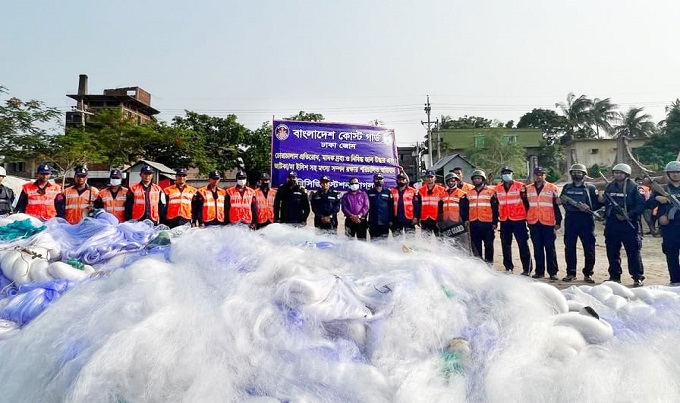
(80, 171)
(430, 172)
(539, 171)
(324, 178)
(292, 174)
(241, 175)
(44, 169)
(181, 172)
(402, 175)
(116, 174)
(378, 176)
(214, 174)
(265, 177)
(146, 169)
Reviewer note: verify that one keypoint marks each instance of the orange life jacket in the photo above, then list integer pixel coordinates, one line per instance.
(213, 208)
(179, 201)
(239, 205)
(480, 204)
(115, 206)
(467, 187)
(541, 208)
(265, 205)
(409, 195)
(41, 205)
(139, 205)
(429, 201)
(510, 205)
(451, 204)
(77, 204)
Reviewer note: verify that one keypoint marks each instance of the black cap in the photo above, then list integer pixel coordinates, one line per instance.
(324, 178)
(506, 168)
(265, 176)
(146, 169)
(181, 172)
(402, 175)
(430, 172)
(44, 169)
(378, 176)
(539, 171)
(214, 174)
(241, 175)
(80, 171)
(292, 174)
(116, 174)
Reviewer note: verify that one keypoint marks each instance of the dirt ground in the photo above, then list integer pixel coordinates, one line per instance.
(654, 261)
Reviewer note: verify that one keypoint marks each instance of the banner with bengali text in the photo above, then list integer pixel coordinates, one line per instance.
(339, 150)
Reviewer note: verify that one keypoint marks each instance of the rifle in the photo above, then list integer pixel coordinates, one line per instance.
(574, 203)
(658, 188)
(618, 210)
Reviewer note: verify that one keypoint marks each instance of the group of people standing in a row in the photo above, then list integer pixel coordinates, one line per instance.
(479, 206)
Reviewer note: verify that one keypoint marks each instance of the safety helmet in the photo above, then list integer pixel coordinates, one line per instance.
(478, 172)
(673, 166)
(3, 172)
(578, 168)
(451, 175)
(625, 168)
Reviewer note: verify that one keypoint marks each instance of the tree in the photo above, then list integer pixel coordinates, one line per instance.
(495, 153)
(603, 112)
(466, 122)
(577, 112)
(665, 145)
(255, 152)
(549, 122)
(307, 117)
(635, 124)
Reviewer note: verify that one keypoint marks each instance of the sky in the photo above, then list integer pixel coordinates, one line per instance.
(353, 61)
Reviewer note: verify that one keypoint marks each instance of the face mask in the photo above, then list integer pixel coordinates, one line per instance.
(506, 177)
(378, 183)
(401, 184)
(264, 185)
(241, 182)
(116, 182)
(354, 187)
(577, 177)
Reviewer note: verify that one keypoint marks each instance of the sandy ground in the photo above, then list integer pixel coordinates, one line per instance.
(654, 261)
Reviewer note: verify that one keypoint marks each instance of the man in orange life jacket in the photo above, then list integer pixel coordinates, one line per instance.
(264, 201)
(180, 199)
(464, 186)
(240, 204)
(428, 196)
(481, 215)
(79, 198)
(512, 213)
(325, 206)
(405, 207)
(41, 199)
(145, 200)
(453, 206)
(544, 218)
(112, 198)
(209, 207)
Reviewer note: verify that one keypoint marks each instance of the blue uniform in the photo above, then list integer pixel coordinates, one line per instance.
(619, 232)
(326, 204)
(580, 225)
(379, 213)
(670, 232)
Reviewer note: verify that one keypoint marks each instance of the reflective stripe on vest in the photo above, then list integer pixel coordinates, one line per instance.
(240, 205)
(179, 201)
(541, 208)
(41, 205)
(510, 206)
(77, 204)
(212, 208)
(409, 195)
(139, 205)
(429, 203)
(115, 206)
(480, 204)
(265, 205)
(451, 204)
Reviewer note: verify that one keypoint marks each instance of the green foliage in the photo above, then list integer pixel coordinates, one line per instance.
(595, 171)
(665, 145)
(577, 112)
(549, 122)
(635, 124)
(256, 152)
(466, 122)
(495, 153)
(553, 175)
(306, 117)
(551, 156)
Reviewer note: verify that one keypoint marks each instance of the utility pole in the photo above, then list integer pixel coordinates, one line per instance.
(428, 109)
(439, 141)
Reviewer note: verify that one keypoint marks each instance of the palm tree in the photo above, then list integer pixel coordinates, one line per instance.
(603, 113)
(577, 111)
(635, 124)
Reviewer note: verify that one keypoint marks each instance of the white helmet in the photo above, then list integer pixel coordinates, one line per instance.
(3, 172)
(673, 166)
(625, 168)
